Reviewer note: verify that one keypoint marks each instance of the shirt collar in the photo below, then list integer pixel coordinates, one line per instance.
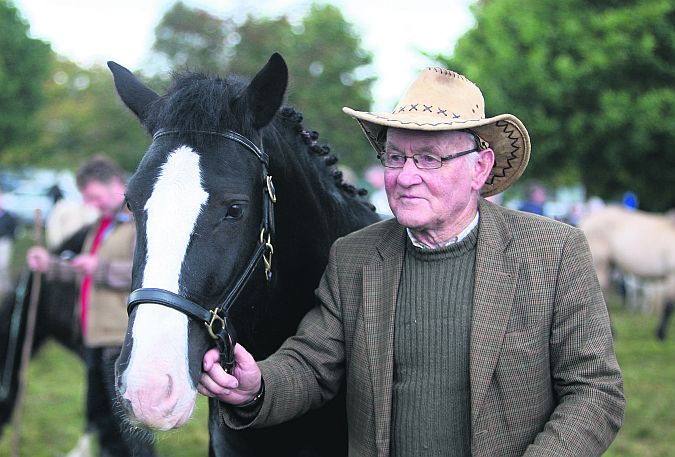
(455, 239)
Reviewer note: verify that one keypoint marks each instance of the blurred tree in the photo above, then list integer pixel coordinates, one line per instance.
(322, 50)
(83, 116)
(193, 38)
(23, 71)
(593, 83)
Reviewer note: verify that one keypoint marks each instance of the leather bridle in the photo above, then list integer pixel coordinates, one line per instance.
(217, 321)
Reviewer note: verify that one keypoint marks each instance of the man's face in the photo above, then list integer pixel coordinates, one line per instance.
(437, 200)
(106, 197)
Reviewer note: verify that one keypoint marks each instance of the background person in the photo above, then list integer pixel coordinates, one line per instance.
(459, 327)
(535, 199)
(105, 270)
(66, 218)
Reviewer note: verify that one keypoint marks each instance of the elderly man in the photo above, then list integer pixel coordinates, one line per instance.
(459, 327)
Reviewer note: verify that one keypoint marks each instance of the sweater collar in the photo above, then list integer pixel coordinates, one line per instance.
(455, 239)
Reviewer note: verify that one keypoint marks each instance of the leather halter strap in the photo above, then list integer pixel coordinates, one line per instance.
(217, 319)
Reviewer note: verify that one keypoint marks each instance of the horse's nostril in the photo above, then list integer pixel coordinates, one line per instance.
(169, 385)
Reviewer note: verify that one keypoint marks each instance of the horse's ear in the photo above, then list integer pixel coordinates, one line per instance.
(265, 94)
(133, 93)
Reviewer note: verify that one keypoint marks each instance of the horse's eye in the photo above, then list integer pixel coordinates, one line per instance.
(235, 211)
(126, 202)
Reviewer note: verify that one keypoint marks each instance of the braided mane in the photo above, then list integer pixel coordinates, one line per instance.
(321, 151)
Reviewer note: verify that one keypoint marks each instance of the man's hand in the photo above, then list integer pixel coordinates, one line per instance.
(85, 263)
(236, 389)
(37, 259)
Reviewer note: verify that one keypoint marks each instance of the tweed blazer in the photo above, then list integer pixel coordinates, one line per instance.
(543, 373)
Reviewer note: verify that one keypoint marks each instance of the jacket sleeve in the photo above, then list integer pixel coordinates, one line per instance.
(116, 273)
(587, 381)
(308, 369)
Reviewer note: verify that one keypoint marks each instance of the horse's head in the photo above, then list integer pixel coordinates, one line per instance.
(200, 199)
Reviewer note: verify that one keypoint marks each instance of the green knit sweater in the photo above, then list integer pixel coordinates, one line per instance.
(431, 409)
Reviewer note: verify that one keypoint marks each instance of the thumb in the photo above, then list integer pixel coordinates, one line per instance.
(242, 357)
(210, 357)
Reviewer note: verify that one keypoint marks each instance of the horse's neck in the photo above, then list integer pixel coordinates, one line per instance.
(311, 206)
(310, 213)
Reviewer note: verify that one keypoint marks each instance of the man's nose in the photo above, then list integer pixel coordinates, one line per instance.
(409, 175)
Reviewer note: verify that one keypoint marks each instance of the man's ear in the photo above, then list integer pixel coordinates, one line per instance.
(483, 167)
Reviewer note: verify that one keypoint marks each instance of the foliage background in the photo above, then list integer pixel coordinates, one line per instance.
(24, 65)
(57, 114)
(323, 53)
(593, 83)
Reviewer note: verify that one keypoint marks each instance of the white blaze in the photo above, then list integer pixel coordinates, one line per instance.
(160, 333)
(172, 212)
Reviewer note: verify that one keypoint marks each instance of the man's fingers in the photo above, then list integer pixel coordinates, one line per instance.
(216, 373)
(204, 391)
(212, 386)
(216, 382)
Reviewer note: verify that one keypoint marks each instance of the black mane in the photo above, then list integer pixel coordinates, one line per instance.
(194, 102)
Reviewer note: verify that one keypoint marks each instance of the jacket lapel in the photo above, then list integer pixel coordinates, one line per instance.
(381, 278)
(495, 284)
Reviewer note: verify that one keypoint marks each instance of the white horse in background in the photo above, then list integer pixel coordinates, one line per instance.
(642, 246)
(639, 243)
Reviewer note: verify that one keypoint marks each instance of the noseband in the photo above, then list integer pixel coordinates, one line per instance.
(217, 322)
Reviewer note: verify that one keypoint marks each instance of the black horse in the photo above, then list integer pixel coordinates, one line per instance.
(208, 227)
(56, 318)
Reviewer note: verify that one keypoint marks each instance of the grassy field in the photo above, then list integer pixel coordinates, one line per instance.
(54, 401)
(53, 410)
(649, 384)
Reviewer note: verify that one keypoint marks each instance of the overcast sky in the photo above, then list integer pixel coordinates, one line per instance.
(94, 31)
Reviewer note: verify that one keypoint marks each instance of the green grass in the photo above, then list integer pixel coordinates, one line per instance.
(649, 384)
(54, 408)
(54, 400)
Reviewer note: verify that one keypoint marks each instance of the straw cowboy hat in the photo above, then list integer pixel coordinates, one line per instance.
(441, 100)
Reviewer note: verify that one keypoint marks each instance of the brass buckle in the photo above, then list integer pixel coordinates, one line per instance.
(214, 317)
(270, 189)
(267, 255)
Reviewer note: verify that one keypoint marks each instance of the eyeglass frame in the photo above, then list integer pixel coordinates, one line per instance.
(481, 145)
(416, 158)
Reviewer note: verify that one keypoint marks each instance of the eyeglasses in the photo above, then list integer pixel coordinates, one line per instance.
(429, 161)
(424, 161)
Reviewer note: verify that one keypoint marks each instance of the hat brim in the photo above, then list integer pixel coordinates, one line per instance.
(505, 134)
